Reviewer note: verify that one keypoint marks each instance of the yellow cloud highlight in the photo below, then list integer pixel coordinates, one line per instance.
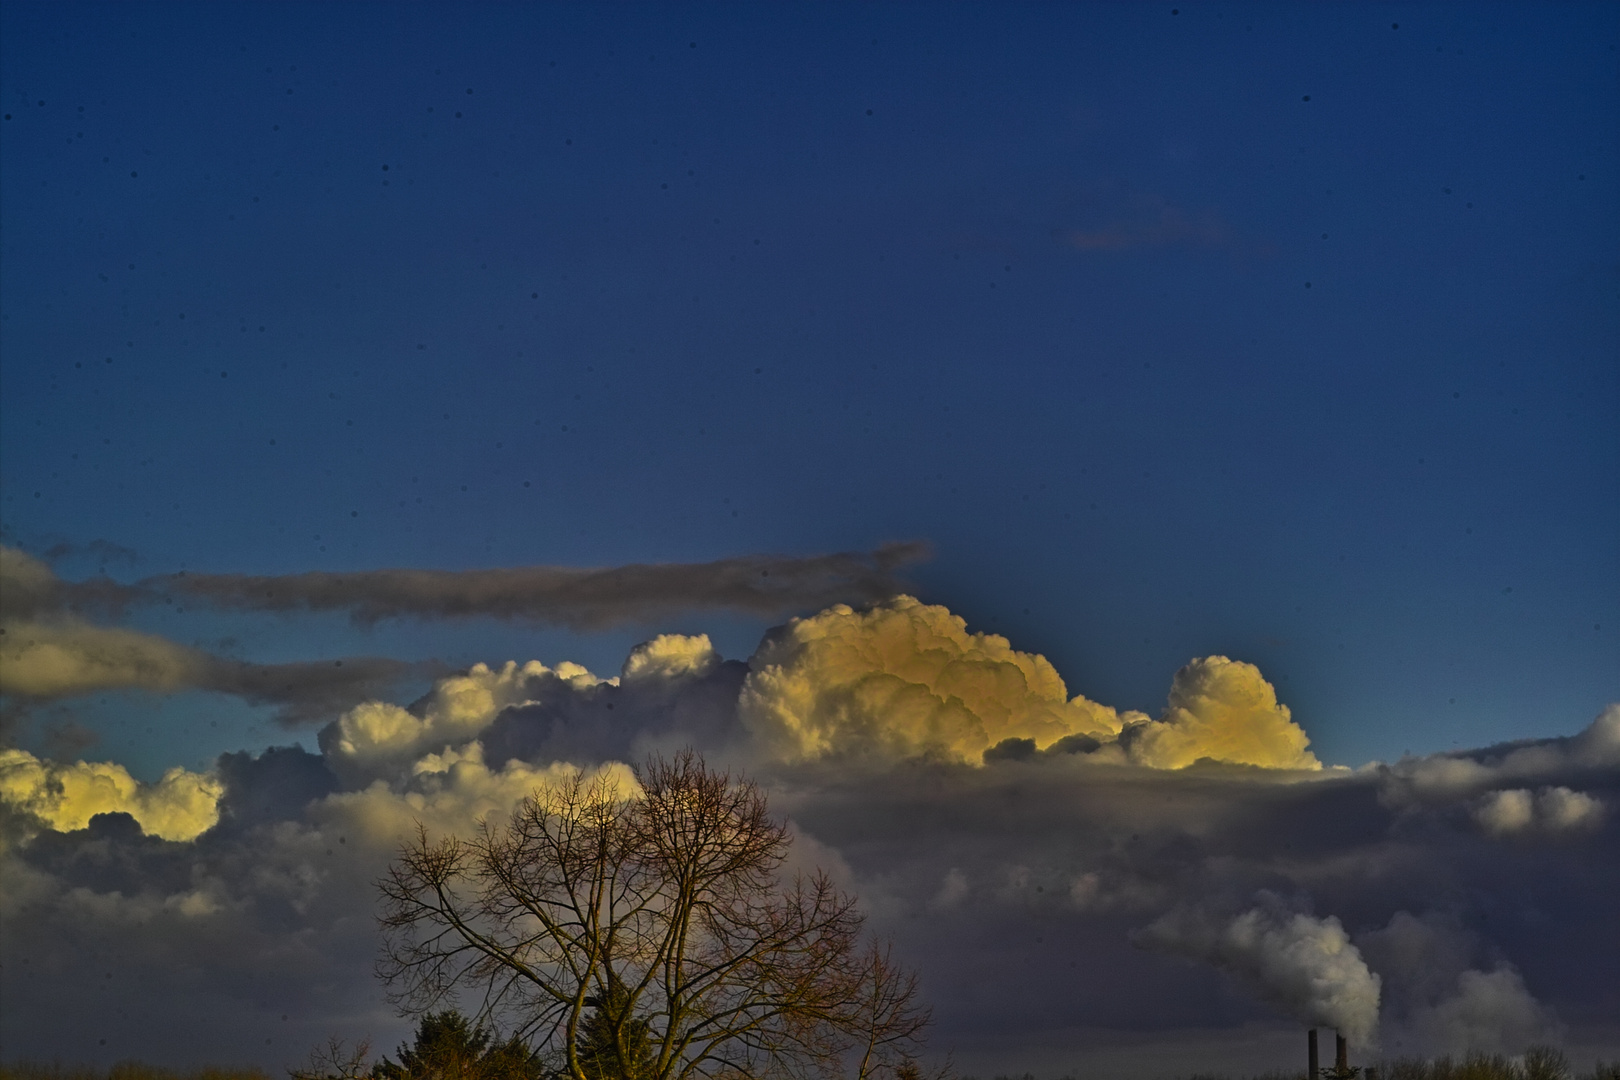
(456, 709)
(670, 656)
(452, 791)
(1223, 710)
(904, 679)
(181, 806)
(907, 679)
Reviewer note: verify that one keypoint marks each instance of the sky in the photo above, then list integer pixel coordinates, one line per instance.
(1232, 387)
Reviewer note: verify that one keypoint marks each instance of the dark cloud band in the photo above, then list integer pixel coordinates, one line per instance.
(583, 599)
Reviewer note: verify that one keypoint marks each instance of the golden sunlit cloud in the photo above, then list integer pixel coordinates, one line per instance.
(180, 806)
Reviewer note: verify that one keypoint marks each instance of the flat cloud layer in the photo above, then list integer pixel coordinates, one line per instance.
(49, 651)
(1067, 878)
(586, 599)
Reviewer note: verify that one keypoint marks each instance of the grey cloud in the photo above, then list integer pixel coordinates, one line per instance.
(49, 652)
(585, 599)
(65, 657)
(1014, 885)
(1446, 1001)
(29, 589)
(311, 690)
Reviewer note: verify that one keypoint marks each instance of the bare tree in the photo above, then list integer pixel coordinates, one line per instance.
(649, 938)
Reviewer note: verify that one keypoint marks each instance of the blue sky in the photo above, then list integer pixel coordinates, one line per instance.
(1027, 282)
(1286, 333)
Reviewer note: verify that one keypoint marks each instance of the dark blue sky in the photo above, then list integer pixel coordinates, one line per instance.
(1276, 332)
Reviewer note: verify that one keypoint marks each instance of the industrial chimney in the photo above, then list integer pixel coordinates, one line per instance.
(1315, 1073)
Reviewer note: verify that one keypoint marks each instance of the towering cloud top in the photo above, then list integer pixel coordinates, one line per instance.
(902, 679)
(907, 679)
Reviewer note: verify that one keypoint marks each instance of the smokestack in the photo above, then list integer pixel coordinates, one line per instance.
(1341, 1054)
(1310, 1056)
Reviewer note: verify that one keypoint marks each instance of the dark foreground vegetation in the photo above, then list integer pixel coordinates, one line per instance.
(1537, 1063)
(124, 1070)
(447, 1047)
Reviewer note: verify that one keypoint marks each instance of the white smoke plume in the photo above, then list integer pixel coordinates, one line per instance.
(1305, 964)
(1443, 1002)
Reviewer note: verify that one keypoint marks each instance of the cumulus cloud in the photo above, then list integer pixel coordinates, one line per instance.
(586, 599)
(1305, 964)
(1552, 809)
(180, 806)
(907, 679)
(1222, 710)
(901, 679)
(451, 792)
(456, 709)
(1440, 778)
(997, 824)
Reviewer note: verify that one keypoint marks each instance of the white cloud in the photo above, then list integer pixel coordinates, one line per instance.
(450, 792)
(1443, 778)
(380, 735)
(1550, 810)
(1504, 812)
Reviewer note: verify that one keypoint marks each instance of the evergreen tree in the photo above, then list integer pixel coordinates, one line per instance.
(450, 1047)
(613, 1043)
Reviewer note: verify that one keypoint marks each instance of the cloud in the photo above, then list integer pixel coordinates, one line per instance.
(1552, 809)
(66, 657)
(454, 711)
(1009, 835)
(1305, 964)
(451, 792)
(584, 599)
(180, 806)
(48, 652)
(1493, 780)
(1222, 710)
(907, 679)
(29, 588)
(902, 679)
